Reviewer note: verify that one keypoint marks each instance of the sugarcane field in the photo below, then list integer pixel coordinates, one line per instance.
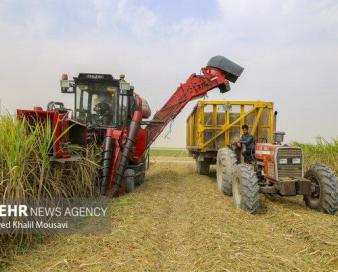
(168, 135)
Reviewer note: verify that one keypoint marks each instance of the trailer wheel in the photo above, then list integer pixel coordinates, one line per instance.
(225, 165)
(325, 190)
(130, 180)
(202, 167)
(245, 188)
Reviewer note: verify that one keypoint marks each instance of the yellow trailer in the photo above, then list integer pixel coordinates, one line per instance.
(215, 124)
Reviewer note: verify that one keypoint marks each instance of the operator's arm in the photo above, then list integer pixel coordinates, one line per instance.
(244, 139)
(248, 141)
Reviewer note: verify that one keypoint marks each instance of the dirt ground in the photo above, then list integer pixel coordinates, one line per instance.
(178, 221)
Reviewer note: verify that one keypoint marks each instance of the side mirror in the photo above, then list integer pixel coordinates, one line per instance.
(67, 86)
(126, 89)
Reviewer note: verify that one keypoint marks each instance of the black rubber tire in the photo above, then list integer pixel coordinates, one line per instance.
(225, 166)
(130, 180)
(140, 177)
(202, 167)
(245, 188)
(325, 196)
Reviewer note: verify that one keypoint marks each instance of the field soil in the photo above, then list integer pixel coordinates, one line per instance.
(179, 221)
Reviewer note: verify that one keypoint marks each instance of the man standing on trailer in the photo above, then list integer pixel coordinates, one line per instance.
(248, 140)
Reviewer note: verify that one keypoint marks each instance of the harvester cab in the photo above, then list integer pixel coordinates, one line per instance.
(100, 101)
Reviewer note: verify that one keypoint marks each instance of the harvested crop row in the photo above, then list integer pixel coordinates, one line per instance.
(178, 221)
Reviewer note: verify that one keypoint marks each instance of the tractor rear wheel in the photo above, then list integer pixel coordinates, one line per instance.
(245, 188)
(202, 167)
(225, 166)
(324, 193)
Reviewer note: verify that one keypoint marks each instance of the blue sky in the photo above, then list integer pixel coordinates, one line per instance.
(289, 50)
(69, 18)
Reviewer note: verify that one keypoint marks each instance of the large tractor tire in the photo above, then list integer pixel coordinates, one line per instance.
(202, 167)
(245, 189)
(225, 166)
(324, 197)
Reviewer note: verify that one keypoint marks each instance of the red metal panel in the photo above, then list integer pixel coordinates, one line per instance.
(140, 146)
(59, 122)
(266, 152)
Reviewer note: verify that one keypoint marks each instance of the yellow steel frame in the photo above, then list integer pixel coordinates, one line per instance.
(196, 125)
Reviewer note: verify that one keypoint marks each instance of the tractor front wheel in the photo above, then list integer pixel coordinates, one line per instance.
(324, 189)
(245, 188)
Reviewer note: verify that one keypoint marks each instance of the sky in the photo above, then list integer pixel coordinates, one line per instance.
(289, 50)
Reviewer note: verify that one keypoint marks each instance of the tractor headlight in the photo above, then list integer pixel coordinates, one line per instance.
(296, 161)
(283, 161)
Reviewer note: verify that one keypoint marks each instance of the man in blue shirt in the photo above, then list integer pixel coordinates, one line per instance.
(248, 140)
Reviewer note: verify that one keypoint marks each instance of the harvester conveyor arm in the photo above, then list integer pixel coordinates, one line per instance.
(218, 73)
(119, 144)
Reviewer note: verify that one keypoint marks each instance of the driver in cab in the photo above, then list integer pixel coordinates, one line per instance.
(102, 107)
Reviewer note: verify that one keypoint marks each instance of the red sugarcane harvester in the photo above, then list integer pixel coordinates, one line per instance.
(108, 112)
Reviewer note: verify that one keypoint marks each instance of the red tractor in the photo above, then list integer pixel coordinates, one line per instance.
(108, 112)
(275, 168)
